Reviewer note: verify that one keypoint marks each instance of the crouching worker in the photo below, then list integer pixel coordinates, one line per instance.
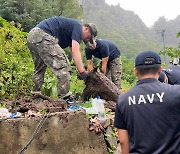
(46, 42)
(148, 115)
(110, 59)
(170, 75)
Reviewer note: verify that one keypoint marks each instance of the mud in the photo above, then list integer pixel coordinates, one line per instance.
(99, 85)
(25, 104)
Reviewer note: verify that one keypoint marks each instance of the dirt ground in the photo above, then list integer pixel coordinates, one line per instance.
(26, 103)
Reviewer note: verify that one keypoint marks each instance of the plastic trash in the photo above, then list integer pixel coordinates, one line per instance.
(15, 115)
(4, 113)
(72, 108)
(97, 108)
(100, 108)
(95, 105)
(90, 110)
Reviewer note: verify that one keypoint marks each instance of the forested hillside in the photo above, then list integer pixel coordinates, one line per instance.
(30, 12)
(123, 27)
(127, 30)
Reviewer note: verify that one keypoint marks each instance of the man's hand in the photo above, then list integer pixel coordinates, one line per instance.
(82, 76)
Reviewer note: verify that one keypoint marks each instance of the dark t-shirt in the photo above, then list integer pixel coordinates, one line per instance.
(65, 29)
(150, 112)
(173, 74)
(104, 48)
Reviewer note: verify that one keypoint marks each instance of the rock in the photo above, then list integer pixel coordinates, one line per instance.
(108, 121)
(118, 149)
(111, 139)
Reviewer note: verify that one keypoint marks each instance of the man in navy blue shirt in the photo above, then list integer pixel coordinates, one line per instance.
(110, 59)
(170, 75)
(46, 42)
(148, 115)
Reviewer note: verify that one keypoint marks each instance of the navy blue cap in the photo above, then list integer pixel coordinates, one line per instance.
(161, 77)
(147, 58)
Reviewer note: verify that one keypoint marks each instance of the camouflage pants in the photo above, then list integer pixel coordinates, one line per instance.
(114, 69)
(46, 52)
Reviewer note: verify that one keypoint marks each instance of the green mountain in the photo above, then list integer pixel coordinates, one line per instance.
(167, 29)
(124, 28)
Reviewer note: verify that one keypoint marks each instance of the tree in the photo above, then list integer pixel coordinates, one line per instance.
(29, 13)
(172, 52)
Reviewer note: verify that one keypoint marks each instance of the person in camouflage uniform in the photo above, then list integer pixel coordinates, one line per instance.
(46, 42)
(110, 59)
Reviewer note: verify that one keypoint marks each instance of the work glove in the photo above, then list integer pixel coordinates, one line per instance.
(83, 76)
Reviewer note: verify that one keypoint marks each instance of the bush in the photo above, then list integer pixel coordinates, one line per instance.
(128, 71)
(15, 61)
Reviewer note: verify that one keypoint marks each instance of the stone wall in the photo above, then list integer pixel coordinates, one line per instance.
(62, 133)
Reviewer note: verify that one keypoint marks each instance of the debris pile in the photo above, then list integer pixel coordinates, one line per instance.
(31, 106)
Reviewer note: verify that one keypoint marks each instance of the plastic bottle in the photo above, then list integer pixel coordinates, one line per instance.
(95, 105)
(101, 109)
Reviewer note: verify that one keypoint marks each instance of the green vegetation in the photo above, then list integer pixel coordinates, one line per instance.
(3, 105)
(30, 12)
(128, 75)
(172, 52)
(43, 111)
(15, 62)
(87, 104)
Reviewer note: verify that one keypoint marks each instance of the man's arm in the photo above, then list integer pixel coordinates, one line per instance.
(76, 54)
(104, 64)
(124, 140)
(89, 65)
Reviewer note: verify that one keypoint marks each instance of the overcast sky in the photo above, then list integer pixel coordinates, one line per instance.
(150, 10)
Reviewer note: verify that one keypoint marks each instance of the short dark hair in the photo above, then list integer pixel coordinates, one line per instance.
(148, 69)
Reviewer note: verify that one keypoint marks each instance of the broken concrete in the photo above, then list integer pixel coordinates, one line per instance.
(99, 85)
(62, 133)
